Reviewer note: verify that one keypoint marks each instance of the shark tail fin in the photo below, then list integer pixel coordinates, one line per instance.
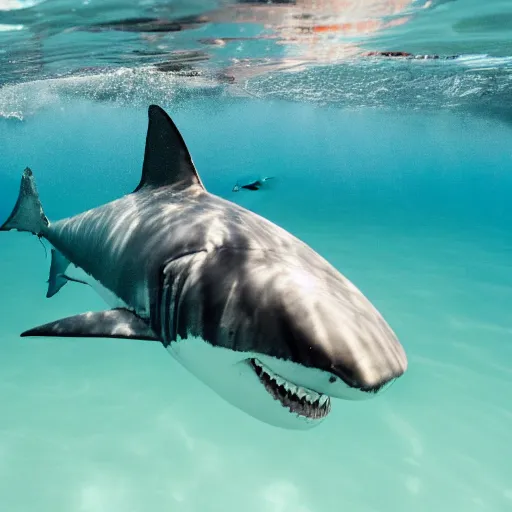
(27, 214)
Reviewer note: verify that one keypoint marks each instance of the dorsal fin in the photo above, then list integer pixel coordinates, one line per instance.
(166, 158)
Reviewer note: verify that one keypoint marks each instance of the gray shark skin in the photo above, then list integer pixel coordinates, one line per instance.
(252, 311)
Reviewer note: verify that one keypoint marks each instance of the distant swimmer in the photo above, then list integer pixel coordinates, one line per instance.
(252, 184)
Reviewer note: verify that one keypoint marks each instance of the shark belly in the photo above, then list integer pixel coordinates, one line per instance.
(229, 374)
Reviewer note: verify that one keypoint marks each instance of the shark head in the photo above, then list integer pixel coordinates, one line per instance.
(279, 336)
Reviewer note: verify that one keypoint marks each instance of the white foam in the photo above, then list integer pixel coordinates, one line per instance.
(10, 28)
(124, 87)
(15, 5)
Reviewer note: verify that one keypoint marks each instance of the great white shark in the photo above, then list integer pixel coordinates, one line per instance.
(248, 308)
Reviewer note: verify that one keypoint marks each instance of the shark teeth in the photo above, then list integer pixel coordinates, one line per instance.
(297, 399)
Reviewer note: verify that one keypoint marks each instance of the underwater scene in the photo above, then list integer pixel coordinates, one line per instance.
(256, 255)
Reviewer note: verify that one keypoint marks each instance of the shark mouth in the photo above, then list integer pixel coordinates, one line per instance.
(298, 400)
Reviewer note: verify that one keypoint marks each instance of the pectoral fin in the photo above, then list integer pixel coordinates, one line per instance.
(115, 323)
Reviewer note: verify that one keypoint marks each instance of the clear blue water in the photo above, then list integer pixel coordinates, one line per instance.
(407, 194)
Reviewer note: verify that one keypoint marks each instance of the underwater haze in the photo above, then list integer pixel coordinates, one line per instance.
(387, 127)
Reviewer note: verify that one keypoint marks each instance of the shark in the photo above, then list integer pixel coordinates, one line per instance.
(252, 311)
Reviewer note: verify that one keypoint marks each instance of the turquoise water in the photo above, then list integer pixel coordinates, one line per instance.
(410, 201)
(420, 225)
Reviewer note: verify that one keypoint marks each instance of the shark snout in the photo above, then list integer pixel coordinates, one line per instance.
(375, 383)
(357, 355)
(373, 372)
